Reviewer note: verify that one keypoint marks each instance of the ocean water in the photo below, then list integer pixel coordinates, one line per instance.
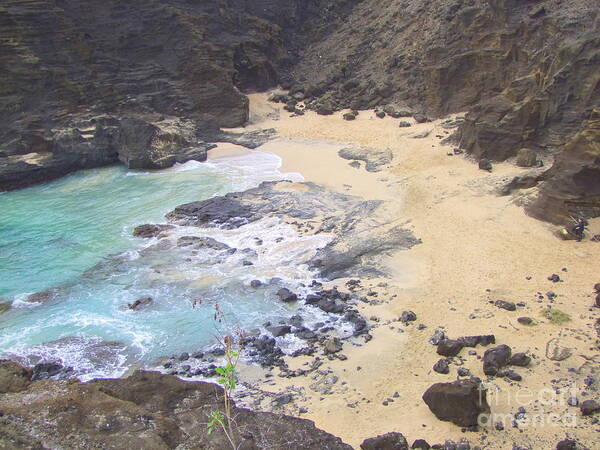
(73, 237)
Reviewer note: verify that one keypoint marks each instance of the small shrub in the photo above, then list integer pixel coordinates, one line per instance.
(556, 316)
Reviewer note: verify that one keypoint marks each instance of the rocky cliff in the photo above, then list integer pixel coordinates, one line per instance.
(144, 411)
(84, 84)
(527, 72)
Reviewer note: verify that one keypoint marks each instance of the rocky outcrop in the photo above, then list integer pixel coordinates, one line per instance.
(67, 64)
(356, 248)
(146, 410)
(526, 71)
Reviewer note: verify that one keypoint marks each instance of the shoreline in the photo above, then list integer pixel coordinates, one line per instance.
(477, 247)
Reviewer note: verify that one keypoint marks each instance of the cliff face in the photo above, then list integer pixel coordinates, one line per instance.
(526, 71)
(146, 410)
(77, 69)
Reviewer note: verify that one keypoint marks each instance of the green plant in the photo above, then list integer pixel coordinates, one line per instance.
(556, 316)
(227, 379)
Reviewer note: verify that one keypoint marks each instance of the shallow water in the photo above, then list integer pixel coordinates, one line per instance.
(74, 235)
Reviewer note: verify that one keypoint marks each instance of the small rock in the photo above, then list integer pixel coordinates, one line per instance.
(442, 366)
(589, 407)
(333, 345)
(525, 320)
(420, 444)
(404, 124)
(449, 347)
(389, 441)
(554, 278)
(279, 330)
(485, 164)
(509, 306)
(256, 283)
(287, 296)
(567, 444)
(408, 316)
(437, 337)
(463, 372)
(140, 303)
(519, 359)
(573, 401)
(496, 358)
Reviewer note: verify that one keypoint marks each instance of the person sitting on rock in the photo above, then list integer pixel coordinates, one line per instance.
(579, 228)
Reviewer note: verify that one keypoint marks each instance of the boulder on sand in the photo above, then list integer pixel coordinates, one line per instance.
(495, 358)
(388, 441)
(460, 402)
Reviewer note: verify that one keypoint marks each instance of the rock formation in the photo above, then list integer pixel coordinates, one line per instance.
(146, 410)
(86, 84)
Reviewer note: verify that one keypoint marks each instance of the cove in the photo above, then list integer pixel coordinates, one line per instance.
(73, 236)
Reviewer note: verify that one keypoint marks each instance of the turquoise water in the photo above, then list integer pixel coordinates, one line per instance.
(73, 236)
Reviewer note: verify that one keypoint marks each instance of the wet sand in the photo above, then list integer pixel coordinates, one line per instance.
(477, 247)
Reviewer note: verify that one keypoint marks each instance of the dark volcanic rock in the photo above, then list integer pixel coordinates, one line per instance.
(474, 341)
(420, 444)
(287, 296)
(449, 347)
(567, 444)
(198, 242)
(140, 303)
(357, 245)
(147, 231)
(589, 407)
(280, 330)
(460, 402)
(442, 366)
(509, 306)
(495, 358)
(519, 359)
(145, 410)
(408, 316)
(389, 441)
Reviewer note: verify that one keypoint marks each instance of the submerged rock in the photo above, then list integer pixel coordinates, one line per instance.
(140, 303)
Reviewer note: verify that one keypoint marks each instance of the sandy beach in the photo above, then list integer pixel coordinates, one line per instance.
(477, 247)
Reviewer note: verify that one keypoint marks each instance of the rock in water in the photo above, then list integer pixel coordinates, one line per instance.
(389, 441)
(496, 358)
(280, 330)
(147, 231)
(460, 402)
(287, 296)
(140, 303)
